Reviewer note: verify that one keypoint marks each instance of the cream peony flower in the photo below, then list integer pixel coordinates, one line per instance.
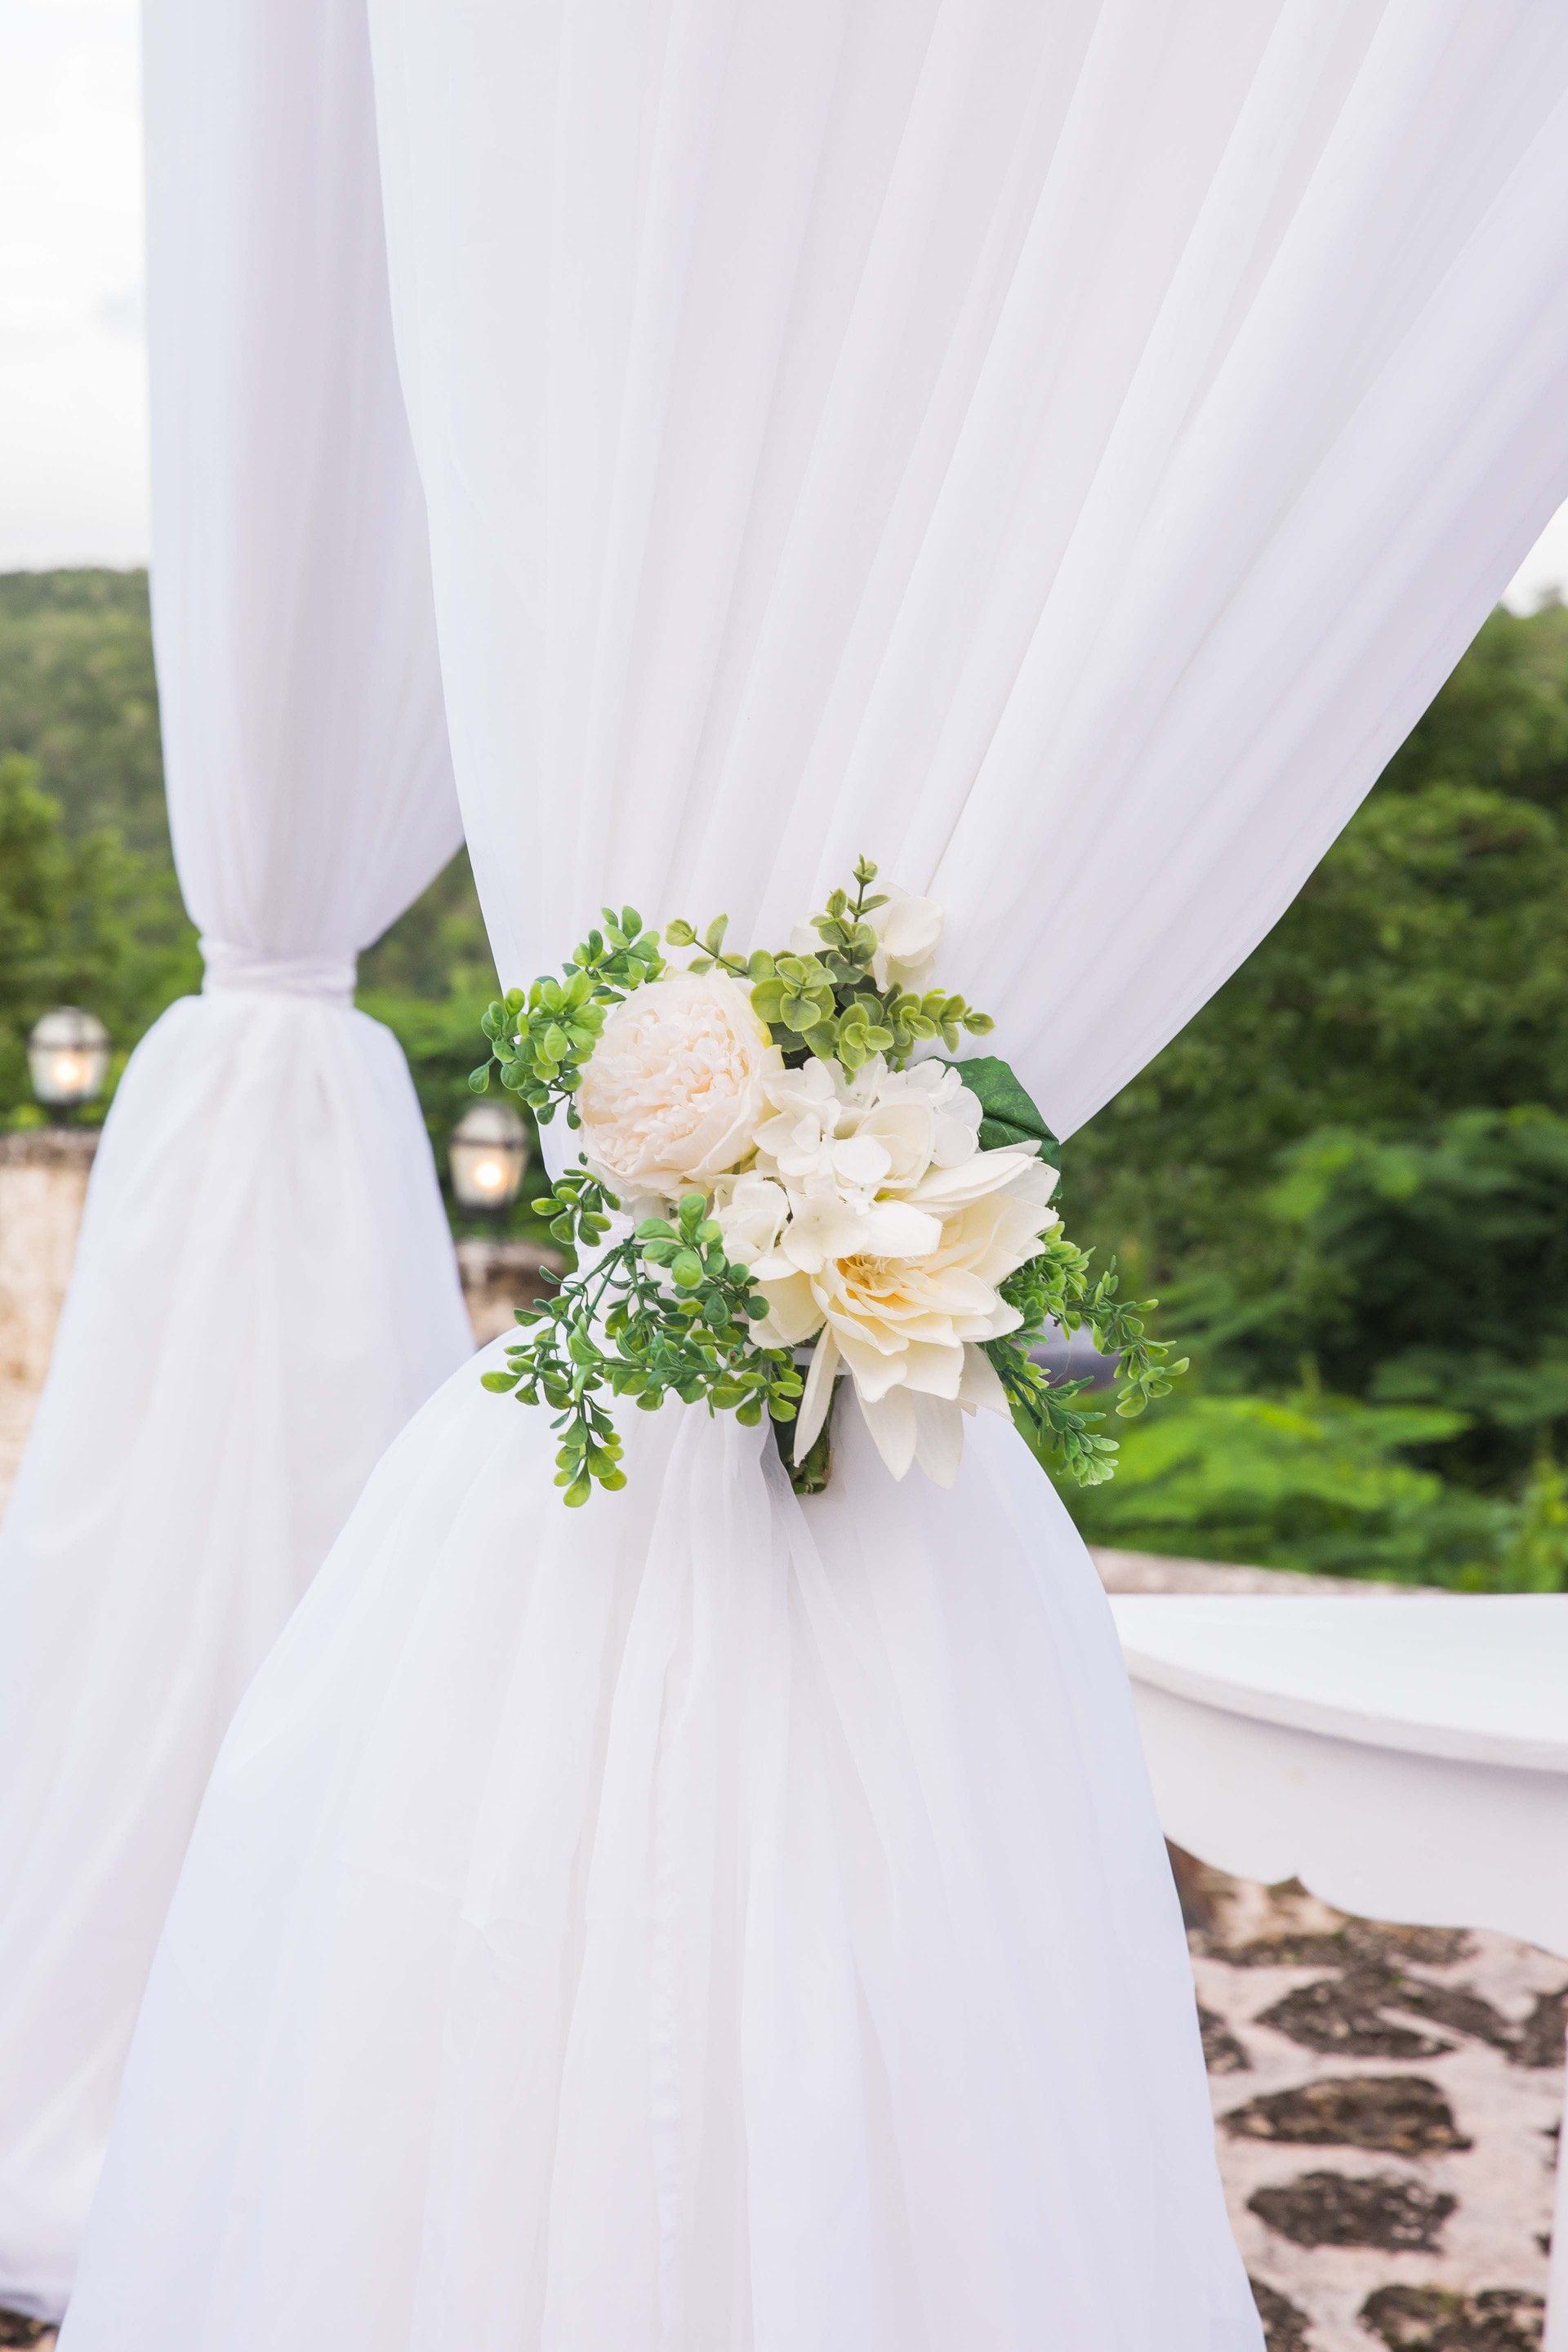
(902, 1286)
(673, 1091)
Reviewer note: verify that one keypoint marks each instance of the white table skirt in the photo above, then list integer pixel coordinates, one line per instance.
(1406, 1757)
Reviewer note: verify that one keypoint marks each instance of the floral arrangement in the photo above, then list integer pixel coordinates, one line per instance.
(787, 1186)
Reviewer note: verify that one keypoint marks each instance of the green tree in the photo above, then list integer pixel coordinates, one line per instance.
(1424, 968)
(1432, 1268)
(1353, 1160)
(71, 928)
(78, 695)
(1422, 971)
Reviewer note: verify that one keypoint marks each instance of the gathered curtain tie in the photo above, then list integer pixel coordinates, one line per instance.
(233, 970)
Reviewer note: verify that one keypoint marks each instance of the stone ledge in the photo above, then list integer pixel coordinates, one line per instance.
(43, 1184)
(48, 1147)
(499, 1276)
(1148, 1572)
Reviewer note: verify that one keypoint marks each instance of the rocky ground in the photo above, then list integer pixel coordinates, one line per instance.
(1387, 2102)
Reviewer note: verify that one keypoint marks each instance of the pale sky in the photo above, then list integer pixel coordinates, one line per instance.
(73, 393)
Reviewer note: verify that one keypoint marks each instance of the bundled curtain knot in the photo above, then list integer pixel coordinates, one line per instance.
(235, 971)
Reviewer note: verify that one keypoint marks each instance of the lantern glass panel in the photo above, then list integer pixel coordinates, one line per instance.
(68, 1057)
(488, 1156)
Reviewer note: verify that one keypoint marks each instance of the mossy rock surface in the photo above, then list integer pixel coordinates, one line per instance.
(1428, 2319)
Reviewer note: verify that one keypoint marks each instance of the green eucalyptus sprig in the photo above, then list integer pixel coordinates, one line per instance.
(1057, 1287)
(542, 1037)
(577, 1209)
(827, 1004)
(663, 1312)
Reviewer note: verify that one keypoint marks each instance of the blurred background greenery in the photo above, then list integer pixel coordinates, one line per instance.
(1346, 1179)
(89, 909)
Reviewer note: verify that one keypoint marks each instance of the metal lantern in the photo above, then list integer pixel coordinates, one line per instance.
(67, 1055)
(487, 1155)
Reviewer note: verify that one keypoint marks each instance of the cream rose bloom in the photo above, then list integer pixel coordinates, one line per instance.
(909, 932)
(874, 1224)
(673, 1092)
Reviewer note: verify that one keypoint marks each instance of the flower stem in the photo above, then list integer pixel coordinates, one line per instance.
(810, 1477)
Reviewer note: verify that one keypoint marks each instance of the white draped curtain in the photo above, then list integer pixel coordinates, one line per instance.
(1058, 449)
(1055, 446)
(265, 1288)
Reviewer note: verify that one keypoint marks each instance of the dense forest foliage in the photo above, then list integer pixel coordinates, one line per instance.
(1346, 1177)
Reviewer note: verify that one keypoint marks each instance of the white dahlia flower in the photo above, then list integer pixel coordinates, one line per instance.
(898, 1274)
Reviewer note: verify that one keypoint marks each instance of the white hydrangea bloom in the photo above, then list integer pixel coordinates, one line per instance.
(856, 1138)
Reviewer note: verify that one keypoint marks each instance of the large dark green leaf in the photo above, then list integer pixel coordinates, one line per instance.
(1011, 1117)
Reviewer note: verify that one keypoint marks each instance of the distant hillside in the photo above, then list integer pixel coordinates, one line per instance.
(79, 698)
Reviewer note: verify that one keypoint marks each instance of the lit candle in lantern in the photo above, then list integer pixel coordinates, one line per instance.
(68, 1057)
(487, 1155)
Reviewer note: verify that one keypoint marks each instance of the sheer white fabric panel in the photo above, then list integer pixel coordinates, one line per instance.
(266, 1288)
(1057, 449)
(1053, 447)
(712, 1926)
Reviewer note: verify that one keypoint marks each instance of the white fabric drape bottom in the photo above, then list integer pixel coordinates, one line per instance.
(264, 1292)
(703, 1921)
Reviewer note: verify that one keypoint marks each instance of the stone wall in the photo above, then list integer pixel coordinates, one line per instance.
(499, 1276)
(43, 1183)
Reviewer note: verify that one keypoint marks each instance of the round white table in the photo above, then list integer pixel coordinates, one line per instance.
(1406, 1758)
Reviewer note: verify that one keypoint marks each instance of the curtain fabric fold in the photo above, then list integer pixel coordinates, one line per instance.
(1057, 450)
(265, 1288)
(1053, 447)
